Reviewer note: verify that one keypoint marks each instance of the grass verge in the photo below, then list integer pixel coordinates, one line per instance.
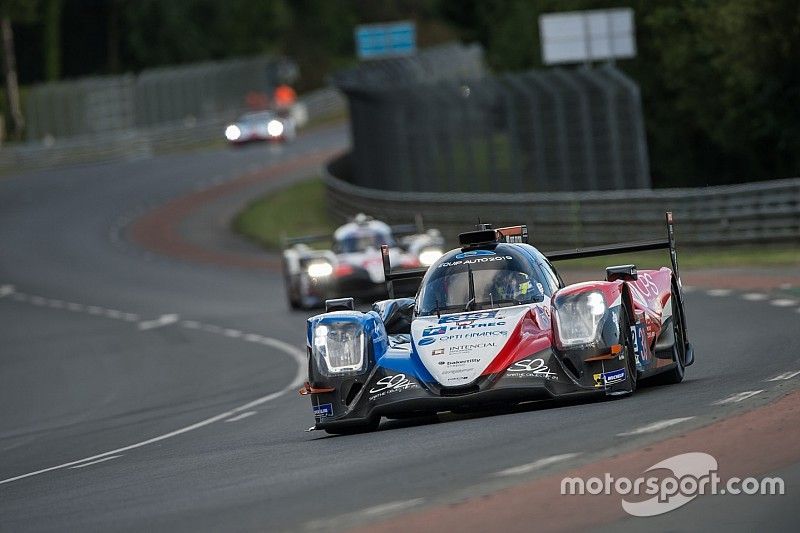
(296, 210)
(300, 210)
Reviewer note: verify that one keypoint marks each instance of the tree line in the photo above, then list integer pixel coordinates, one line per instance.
(720, 79)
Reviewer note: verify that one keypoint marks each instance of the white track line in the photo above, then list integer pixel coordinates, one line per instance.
(391, 507)
(754, 296)
(785, 376)
(784, 302)
(738, 397)
(298, 355)
(536, 465)
(655, 426)
(160, 322)
(718, 292)
(241, 416)
(104, 459)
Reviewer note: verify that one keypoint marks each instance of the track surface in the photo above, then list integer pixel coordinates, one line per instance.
(106, 346)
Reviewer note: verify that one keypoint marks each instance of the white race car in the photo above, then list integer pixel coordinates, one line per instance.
(261, 126)
(354, 265)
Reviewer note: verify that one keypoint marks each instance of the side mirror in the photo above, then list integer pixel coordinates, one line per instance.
(622, 272)
(340, 304)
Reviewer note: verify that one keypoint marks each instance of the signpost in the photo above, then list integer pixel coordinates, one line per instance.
(374, 41)
(585, 36)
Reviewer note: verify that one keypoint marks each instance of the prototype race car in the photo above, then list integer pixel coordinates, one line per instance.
(354, 265)
(493, 323)
(261, 126)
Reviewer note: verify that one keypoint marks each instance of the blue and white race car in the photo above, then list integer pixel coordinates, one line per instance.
(493, 323)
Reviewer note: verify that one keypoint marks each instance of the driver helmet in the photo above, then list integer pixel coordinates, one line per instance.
(512, 285)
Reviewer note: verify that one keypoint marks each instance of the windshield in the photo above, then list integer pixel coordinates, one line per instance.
(466, 283)
(256, 118)
(361, 241)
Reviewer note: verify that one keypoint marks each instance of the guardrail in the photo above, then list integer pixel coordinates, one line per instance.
(731, 214)
(143, 142)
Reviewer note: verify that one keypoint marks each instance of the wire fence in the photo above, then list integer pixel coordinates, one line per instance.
(188, 94)
(438, 122)
(753, 213)
(143, 142)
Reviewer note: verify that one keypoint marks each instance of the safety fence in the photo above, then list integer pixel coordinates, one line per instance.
(752, 213)
(439, 122)
(154, 97)
(144, 141)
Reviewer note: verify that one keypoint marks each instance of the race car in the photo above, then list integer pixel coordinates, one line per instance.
(493, 323)
(261, 126)
(354, 265)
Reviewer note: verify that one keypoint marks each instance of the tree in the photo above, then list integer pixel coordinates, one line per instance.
(13, 10)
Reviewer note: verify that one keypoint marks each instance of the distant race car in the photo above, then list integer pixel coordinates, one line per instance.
(354, 265)
(261, 126)
(493, 323)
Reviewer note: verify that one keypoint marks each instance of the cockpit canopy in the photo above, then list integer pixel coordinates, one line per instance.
(499, 276)
(362, 235)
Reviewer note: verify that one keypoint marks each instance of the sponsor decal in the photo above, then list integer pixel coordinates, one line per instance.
(475, 253)
(475, 260)
(323, 411)
(425, 341)
(479, 315)
(390, 384)
(646, 285)
(456, 371)
(440, 351)
(428, 332)
(470, 325)
(466, 348)
(460, 362)
(473, 335)
(637, 334)
(614, 376)
(531, 368)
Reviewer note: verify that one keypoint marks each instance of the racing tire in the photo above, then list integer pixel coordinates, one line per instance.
(366, 427)
(291, 297)
(630, 355)
(676, 374)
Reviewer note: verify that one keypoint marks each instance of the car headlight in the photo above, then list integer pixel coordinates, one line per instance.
(233, 132)
(429, 256)
(275, 128)
(340, 348)
(578, 318)
(320, 269)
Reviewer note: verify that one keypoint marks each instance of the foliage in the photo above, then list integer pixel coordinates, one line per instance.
(719, 79)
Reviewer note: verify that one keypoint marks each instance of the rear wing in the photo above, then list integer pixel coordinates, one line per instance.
(625, 247)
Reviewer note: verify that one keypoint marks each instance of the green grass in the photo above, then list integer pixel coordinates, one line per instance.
(294, 211)
(690, 257)
(300, 209)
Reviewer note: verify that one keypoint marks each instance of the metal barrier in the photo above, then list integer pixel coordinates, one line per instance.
(144, 141)
(455, 128)
(751, 213)
(155, 97)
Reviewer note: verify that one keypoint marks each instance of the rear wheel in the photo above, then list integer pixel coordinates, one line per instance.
(630, 355)
(292, 291)
(675, 375)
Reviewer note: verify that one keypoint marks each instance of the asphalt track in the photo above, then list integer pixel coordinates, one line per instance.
(141, 391)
